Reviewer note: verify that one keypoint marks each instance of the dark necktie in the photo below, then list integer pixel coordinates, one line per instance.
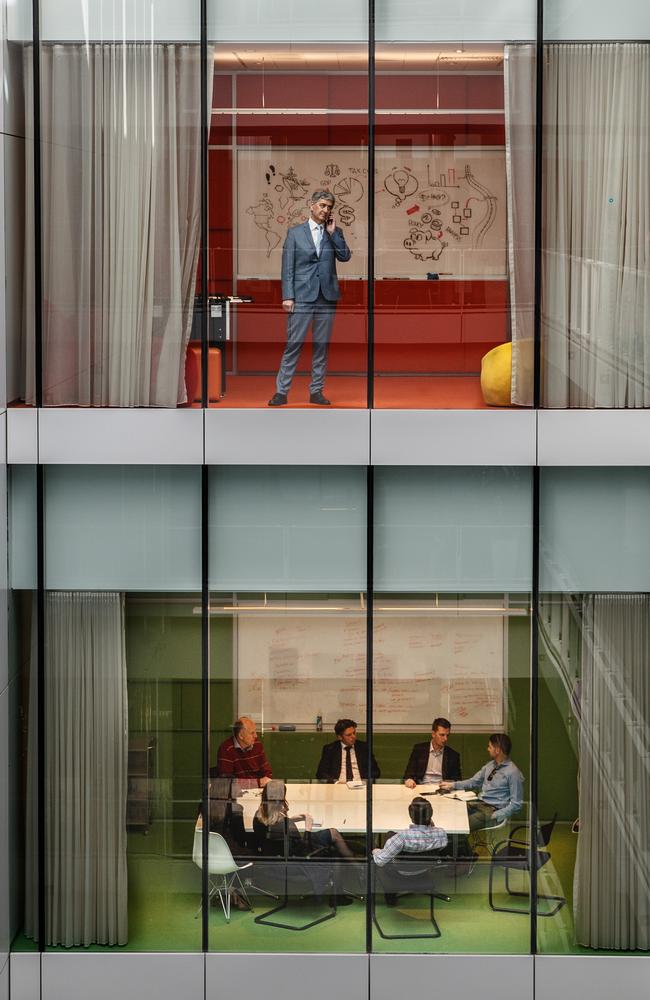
(348, 765)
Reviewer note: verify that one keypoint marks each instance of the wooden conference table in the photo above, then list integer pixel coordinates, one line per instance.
(344, 808)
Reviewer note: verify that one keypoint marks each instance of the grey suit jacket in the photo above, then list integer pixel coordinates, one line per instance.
(304, 273)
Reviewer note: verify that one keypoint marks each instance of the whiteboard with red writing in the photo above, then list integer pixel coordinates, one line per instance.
(291, 669)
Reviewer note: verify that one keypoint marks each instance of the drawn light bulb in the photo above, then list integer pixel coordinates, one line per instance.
(401, 183)
(401, 179)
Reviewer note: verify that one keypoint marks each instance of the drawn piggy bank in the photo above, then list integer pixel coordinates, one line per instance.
(424, 244)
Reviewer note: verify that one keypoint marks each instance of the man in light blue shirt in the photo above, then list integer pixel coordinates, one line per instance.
(499, 786)
(421, 835)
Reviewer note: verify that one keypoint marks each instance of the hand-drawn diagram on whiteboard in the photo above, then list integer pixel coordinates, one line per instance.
(289, 672)
(439, 210)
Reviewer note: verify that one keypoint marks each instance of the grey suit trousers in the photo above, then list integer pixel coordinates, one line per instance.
(320, 316)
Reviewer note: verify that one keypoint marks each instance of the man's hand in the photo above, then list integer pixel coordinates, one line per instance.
(446, 786)
(409, 783)
(288, 305)
(263, 781)
(330, 225)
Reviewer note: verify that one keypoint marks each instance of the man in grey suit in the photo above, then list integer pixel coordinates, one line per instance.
(310, 291)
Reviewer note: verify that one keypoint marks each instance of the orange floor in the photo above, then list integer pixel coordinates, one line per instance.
(439, 392)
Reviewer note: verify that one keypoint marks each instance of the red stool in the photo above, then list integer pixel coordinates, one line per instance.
(193, 373)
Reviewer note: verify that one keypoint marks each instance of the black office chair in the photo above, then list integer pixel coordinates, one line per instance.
(291, 863)
(515, 855)
(410, 874)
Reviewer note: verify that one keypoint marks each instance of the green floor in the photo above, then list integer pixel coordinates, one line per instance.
(164, 897)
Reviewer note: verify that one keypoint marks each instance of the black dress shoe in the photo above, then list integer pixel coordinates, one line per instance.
(319, 399)
(279, 399)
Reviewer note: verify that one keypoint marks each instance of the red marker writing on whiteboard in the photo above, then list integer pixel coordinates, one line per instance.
(413, 209)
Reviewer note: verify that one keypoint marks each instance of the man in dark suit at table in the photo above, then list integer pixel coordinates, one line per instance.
(310, 291)
(433, 761)
(346, 759)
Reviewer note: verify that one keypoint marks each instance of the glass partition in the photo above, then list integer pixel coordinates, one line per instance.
(451, 683)
(288, 744)
(594, 711)
(289, 121)
(454, 219)
(122, 711)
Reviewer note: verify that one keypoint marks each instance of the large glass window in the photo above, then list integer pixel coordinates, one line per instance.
(451, 683)
(594, 710)
(122, 732)
(454, 151)
(288, 744)
(596, 268)
(121, 203)
(289, 120)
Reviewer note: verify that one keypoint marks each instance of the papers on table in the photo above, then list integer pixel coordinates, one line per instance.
(462, 796)
(355, 784)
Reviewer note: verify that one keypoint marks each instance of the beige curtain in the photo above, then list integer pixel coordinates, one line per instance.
(519, 92)
(596, 263)
(86, 750)
(121, 189)
(612, 875)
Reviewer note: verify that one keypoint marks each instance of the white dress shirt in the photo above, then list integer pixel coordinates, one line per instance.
(317, 235)
(355, 767)
(433, 772)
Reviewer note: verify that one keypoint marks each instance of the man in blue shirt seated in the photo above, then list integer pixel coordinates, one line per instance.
(421, 835)
(499, 786)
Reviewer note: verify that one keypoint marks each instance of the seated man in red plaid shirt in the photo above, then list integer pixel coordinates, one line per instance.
(242, 755)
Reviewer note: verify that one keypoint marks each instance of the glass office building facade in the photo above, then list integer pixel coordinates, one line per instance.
(440, 571)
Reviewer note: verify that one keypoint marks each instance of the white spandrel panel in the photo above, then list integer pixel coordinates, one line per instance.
(593, 437)
(120, 436)
(457, 976)
(591, 20)
(318, 977)
(25, 973)
(287, 437)
(22, 436)
(127, 977)
(453, 437)
(596, 977)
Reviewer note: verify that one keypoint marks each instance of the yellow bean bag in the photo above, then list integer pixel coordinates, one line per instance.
(496, 375)
(496, 372)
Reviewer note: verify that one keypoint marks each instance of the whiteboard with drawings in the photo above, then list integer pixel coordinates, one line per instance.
(440, 210)
(291, 669)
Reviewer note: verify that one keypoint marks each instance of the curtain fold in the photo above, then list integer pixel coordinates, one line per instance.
(86, 752)
(612, 874)
(596, 264)
(121, 185)
(519, 97)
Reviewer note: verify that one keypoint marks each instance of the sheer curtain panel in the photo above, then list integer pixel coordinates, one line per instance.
(596, 262)
(519, 93)
(86, 750)
(121, 196)
(612, 883)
